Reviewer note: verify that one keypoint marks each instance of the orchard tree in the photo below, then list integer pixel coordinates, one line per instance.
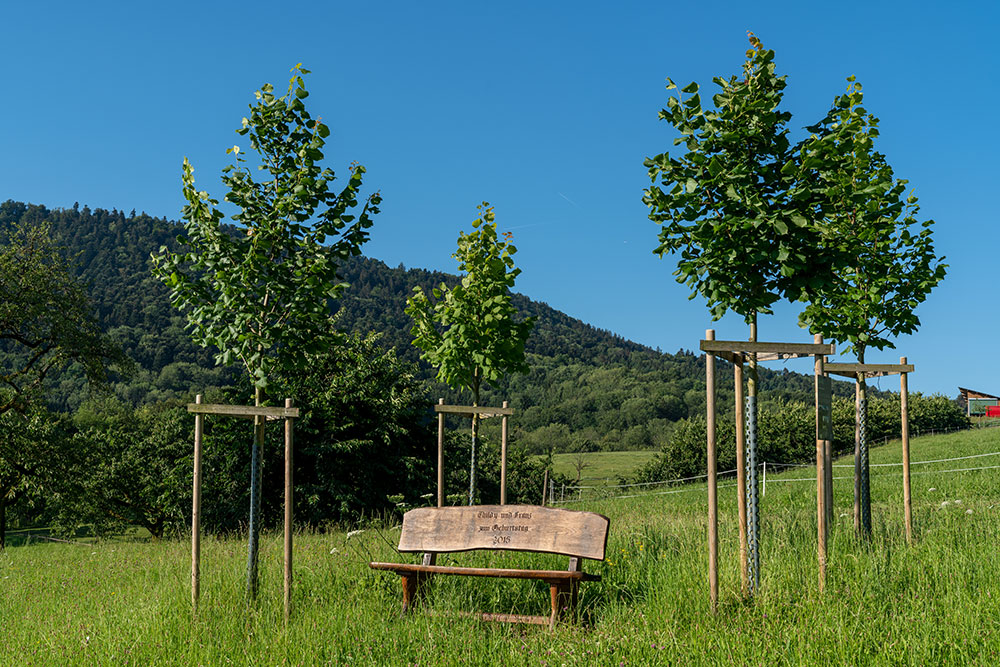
(469, 332)
(260, 293)
(893, 266)
(46, 319)
(46, 324)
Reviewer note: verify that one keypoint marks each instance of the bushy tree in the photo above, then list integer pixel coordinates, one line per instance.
(893, 266)
(132, 467)
(46, 319)
(741, 208)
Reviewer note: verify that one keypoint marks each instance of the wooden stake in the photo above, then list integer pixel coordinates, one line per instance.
(820, 477)
(753, 495)
(904, 414)
(288, 511)
(857, 455)
(196, 511)
(545, 486)
(713, 508)
(503, 458)
(440, 455)
(741, 474)
(828, 484)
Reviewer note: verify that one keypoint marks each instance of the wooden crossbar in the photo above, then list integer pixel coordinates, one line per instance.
(870, 370)
(482, 411)
(786, 349)
(242, 410)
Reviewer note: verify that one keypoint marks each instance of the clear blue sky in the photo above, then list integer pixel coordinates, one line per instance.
(545, 109)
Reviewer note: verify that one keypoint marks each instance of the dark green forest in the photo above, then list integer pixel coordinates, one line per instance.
(588, 388)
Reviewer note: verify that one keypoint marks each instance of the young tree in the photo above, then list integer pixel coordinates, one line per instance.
(741, 208)
(893, 266)
(469, 333)
(260, 294)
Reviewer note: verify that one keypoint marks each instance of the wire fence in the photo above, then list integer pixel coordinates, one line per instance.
(567, 494)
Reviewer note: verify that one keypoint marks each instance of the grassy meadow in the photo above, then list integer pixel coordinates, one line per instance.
(935, 602)
(601, 468)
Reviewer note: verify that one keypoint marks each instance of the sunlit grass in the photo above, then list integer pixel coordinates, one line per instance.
(935, 602)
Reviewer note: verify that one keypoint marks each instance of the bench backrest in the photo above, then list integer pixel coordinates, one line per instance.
(511, 527)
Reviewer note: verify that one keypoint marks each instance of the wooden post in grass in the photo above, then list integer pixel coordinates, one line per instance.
(503, 457)
(741, 472)
(904, 414)
(288, 512)
(713, 505)
(440, 455)
(196, 511)
(820, 466)
(857, 456)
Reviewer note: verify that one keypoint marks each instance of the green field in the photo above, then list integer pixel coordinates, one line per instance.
(936, 602)
(601, 468)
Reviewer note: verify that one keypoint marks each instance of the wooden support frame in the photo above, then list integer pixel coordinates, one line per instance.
(902, 369)
(289, 413)
(484, 412)
(734, 352)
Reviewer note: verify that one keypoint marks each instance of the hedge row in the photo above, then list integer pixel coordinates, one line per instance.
(787, 433)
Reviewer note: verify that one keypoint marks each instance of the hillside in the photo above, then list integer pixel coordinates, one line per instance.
(588, 387)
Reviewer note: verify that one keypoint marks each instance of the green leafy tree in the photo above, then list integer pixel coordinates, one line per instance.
(261, 296)
(893, 264)
(46, 325)
(131, 467)
(740, 207)
(35, 457)
(722, 205)
(737, 205)
(469, 332)
(46, 319)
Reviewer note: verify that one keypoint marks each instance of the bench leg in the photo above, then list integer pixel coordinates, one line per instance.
(561, 595)
(412, 583)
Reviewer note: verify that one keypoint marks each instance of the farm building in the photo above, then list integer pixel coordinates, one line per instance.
(977, 403)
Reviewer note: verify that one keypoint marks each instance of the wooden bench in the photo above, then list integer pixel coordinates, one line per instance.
(436, 530)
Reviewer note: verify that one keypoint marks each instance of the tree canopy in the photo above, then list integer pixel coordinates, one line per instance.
(892, 266)
(738, 205)
(261, 296)
(46, 319)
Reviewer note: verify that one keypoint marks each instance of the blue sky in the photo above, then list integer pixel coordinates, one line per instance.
(545, 109)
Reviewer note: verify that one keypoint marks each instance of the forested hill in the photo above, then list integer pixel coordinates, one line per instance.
(586, 385)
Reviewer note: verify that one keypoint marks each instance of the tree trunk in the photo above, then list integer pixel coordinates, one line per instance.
(862, 465)
(753, 506)
(255, 483)
(475, 438)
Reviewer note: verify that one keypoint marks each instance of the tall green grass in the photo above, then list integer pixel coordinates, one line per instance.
(935, 602)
